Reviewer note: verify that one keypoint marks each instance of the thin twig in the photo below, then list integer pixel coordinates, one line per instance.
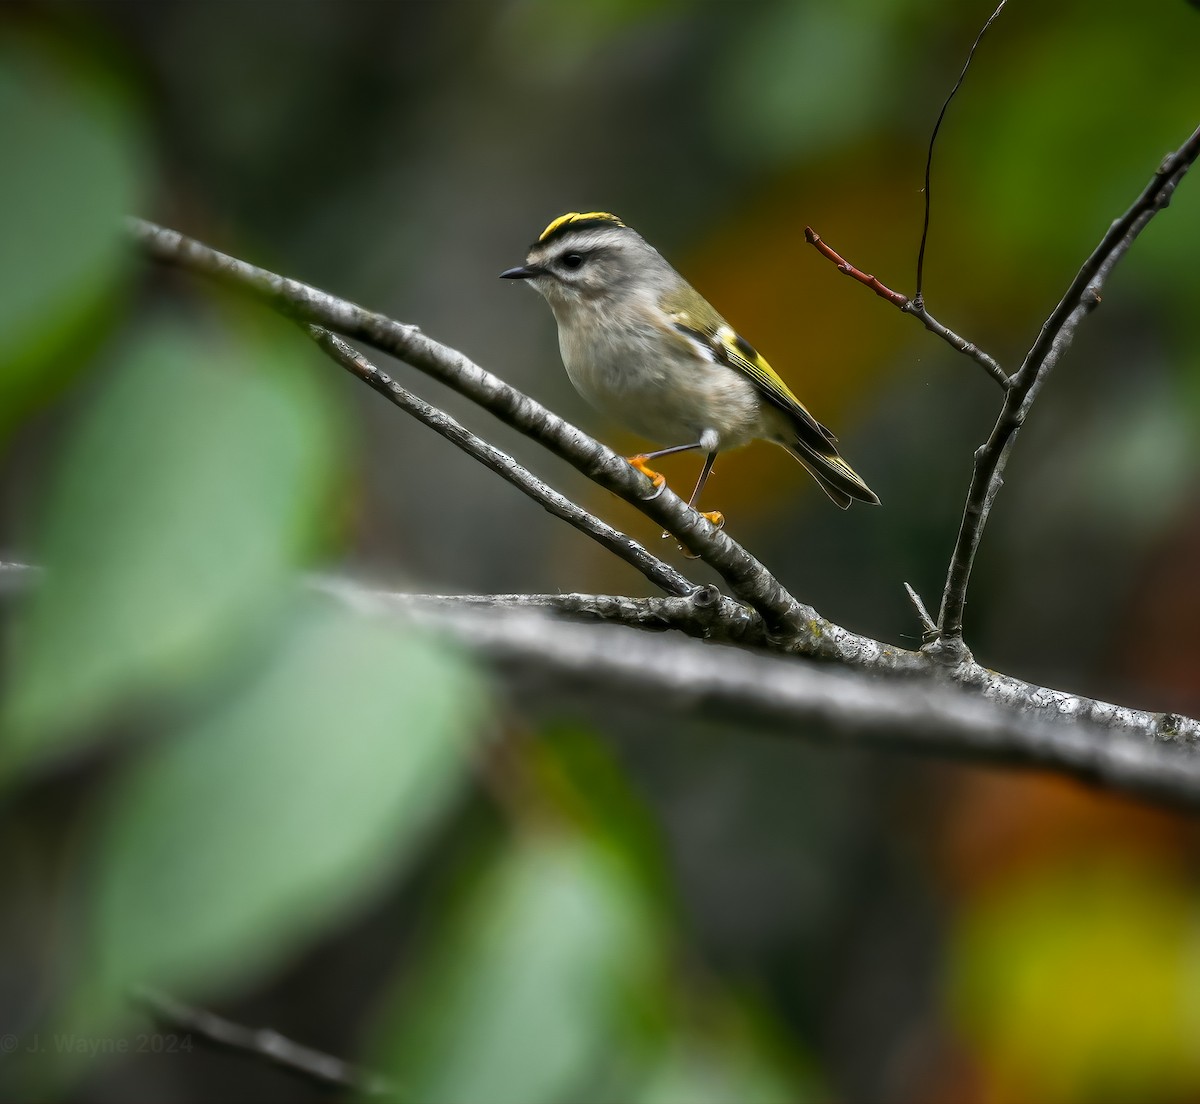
(928, 625)
(1055, 337)
(916, 305)
(908, 306)
(968, 348)
(261, 1043)
(919, 297)
(661, 574)
(747, 577)
(847, 269)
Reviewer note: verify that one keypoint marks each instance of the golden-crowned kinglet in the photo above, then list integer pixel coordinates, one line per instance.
(641, 344)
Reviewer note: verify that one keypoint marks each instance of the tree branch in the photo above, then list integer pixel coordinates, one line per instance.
(697, 614)
(909, 306)
(1008, 723)
(748, 578)
(1004, 719)
(261, 1043)
(1056, 335)
(661, 574)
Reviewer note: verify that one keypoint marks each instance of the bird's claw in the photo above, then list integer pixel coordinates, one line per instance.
(638, 463)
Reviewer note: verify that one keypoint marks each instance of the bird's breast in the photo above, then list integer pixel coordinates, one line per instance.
(657, 386)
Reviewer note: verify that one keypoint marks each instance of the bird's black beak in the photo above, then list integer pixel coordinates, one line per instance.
(521, 272)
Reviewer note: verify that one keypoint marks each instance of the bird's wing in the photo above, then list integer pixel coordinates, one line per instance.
(724, 345)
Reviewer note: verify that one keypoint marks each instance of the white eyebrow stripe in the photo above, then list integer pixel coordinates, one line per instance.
(581, 241)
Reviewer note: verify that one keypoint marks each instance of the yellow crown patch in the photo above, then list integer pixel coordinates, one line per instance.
(566, 220)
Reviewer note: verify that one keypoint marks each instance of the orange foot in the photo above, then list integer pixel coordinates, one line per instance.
(639, 462)
(713, 517)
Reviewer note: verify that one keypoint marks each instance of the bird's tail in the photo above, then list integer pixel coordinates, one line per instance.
(834, 476)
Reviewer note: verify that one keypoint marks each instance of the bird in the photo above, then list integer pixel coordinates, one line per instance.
(647, 349)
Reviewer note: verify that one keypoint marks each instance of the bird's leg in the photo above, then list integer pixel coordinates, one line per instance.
(715, 517)
(640, 461)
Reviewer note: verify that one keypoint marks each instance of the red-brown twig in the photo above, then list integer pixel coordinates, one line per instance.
(847, 269)
(908, 306)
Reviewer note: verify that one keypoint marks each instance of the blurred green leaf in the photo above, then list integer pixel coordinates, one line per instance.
(703, 1071)
(73, 171)
(552, 41)
(184, 501)
(1131, 463)
(520, 1000)
(1081, 985)
(726, 1047)
(1037, 168)
(579, 775)
(801, 78)
(226, 849)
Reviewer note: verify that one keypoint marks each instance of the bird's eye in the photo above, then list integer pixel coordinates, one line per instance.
(572, 260)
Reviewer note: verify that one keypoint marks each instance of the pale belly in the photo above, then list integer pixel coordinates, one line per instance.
(671, 399)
